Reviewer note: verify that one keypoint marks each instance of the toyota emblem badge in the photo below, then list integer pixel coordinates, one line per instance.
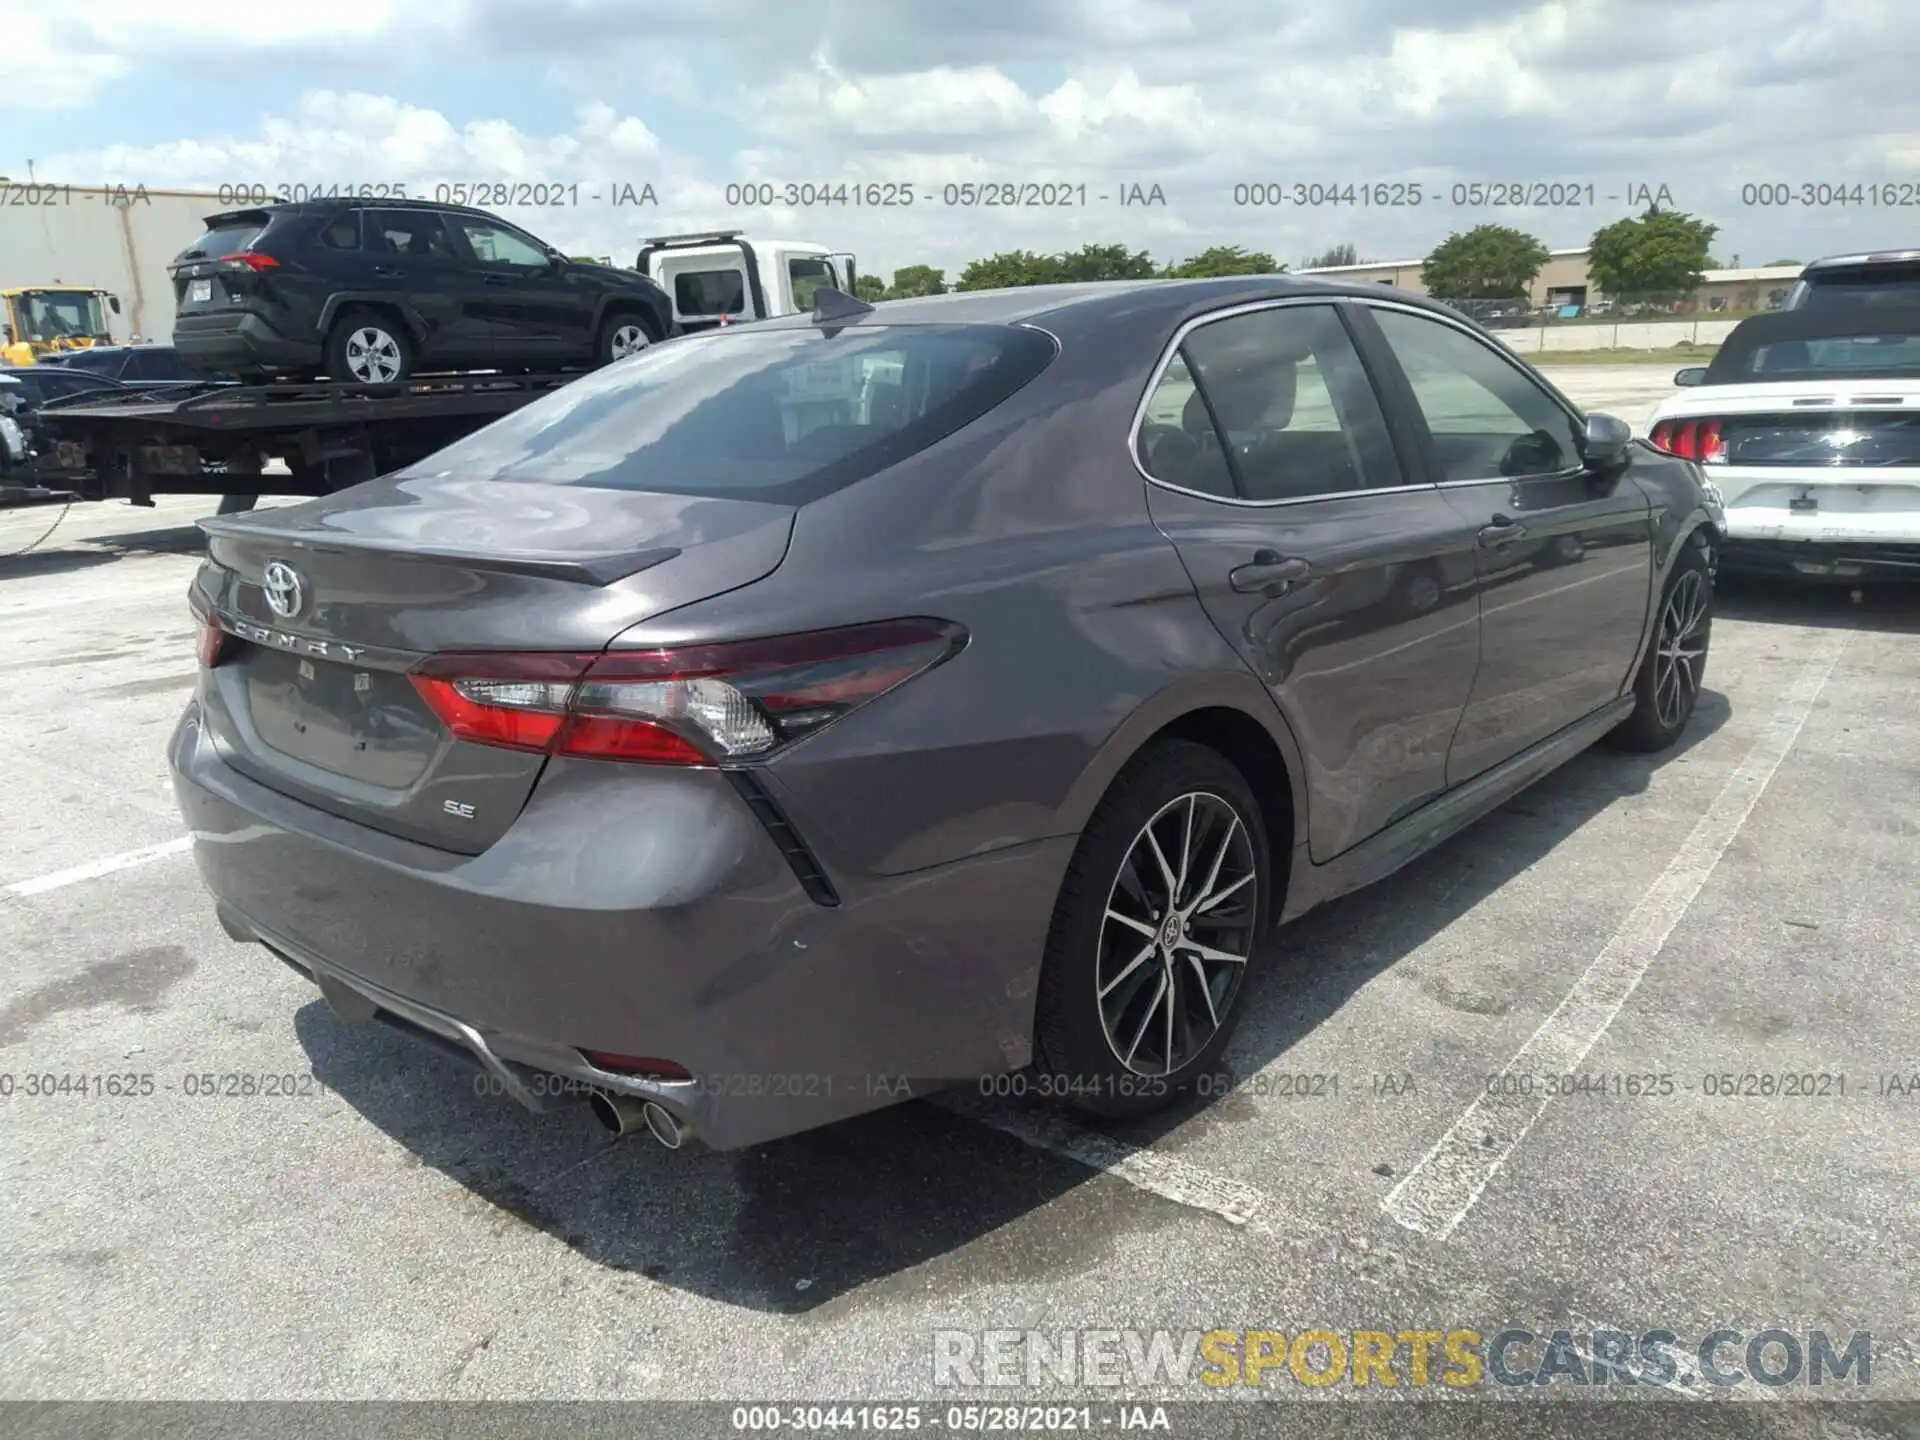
(282, 584)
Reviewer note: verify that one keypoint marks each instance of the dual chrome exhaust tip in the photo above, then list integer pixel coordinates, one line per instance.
(627, 1115)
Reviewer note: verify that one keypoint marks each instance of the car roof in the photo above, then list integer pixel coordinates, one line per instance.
(332, 205)
(1037, 304)
(1876, 257)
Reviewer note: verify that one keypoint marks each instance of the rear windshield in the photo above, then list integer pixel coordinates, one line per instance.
(1896, 284)
(1839, 357)
(228, 238)
(1881, 342)
(782, 415)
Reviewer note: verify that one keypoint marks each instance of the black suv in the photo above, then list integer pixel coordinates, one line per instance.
(370, 291)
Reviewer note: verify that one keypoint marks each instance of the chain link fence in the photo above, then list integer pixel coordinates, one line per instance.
(1622, 322)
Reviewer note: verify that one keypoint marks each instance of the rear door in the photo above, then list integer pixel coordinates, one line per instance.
(1343, 577)
(1565, 558)
(417, 263)
(535, 310)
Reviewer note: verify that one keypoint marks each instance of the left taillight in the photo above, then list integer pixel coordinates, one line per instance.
(682, 705)
(215, 644)
(1700, 440)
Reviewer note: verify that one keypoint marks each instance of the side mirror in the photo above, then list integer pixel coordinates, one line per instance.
(1603, 442)
(557, 260)
(113, 303)
(1690, 375)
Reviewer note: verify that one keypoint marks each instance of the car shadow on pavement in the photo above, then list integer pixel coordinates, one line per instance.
(58, 556)
(784, 1228)
(800, 1223)
(1890, 607)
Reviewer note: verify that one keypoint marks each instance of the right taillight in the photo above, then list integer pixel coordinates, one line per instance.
(679, 705)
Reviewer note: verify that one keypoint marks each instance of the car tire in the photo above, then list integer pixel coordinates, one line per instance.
(1667, 687)
(1109, 985)
(365, 347)
(623, 333)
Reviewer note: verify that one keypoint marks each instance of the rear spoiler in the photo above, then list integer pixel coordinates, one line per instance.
(595, 570)
(234, 219)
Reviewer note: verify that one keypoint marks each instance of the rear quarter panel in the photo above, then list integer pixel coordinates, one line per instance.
(1030, 528)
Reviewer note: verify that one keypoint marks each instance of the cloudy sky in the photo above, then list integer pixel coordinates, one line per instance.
(1701, 98)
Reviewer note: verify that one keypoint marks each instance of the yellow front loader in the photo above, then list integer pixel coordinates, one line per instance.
(42, 320)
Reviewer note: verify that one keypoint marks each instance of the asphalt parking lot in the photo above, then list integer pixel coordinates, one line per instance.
(1743, 906)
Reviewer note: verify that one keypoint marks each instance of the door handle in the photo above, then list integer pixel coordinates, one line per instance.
(499, 279)
(1501, 531)
(386, 272)
(1267, 571)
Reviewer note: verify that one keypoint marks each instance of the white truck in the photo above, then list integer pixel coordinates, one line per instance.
(718, 277)
(117, 240)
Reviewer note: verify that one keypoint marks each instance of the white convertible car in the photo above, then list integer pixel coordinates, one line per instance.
(1808, 424)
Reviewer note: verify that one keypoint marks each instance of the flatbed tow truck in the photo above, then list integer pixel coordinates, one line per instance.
(245, 441)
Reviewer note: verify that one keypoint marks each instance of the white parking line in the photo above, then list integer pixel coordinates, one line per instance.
(1437, 1193)
(96, 868)
(1148, 1170)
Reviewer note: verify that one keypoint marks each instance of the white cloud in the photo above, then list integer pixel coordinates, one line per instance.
(1095, 92)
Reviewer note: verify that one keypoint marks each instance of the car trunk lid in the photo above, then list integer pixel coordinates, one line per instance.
(328, 607)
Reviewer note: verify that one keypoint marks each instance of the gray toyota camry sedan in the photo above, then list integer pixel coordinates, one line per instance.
(812, 713)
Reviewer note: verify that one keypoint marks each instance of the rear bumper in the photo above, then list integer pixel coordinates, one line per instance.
(591, 925)
(1828, 506)
(1821, 559)
(240, 341)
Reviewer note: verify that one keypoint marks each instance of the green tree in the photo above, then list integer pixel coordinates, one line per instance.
(1328, 259)
(1011, 268)
(869, 287)
(1223, 260)
(915, 280)
(1106, 262)
(1660, 255)
(1772, 263)
(1488, 262)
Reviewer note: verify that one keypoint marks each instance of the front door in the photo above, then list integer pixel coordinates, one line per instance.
(539, 311)
(1565, 557)
(1347, 584)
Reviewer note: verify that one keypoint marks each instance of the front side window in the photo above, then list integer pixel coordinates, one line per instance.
(807, 275)
(781, 415)
(1267, 406)
(1488, 420)
(493, 244)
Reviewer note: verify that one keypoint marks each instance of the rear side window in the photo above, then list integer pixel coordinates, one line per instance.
(409, 234)
(781, 415)
(341, 233)
(711, 292)
(1268, 406)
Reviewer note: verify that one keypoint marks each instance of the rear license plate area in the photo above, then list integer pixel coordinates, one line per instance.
(369, 725)
(199, 292)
